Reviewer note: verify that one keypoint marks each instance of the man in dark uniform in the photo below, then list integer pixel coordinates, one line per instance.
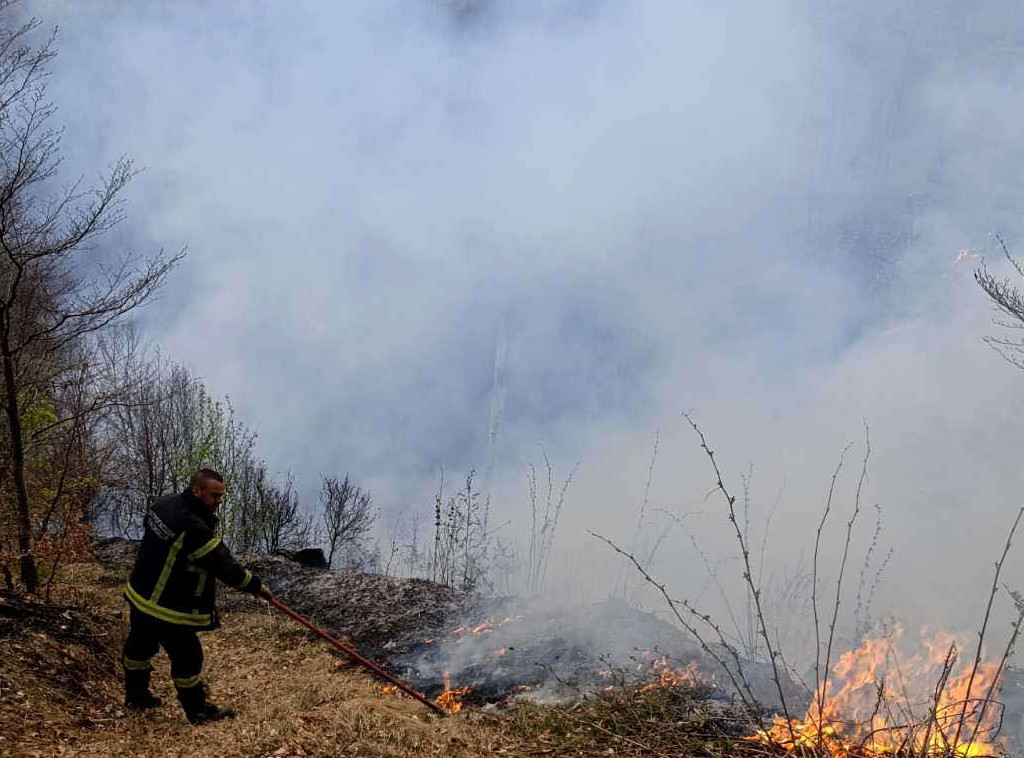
(171, 595)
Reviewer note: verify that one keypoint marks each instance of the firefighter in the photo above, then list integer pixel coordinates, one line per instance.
(171, 595)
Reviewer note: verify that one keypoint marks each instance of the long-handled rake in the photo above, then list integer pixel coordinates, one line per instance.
(364, 662)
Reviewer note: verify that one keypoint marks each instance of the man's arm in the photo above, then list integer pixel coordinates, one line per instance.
(213, 556)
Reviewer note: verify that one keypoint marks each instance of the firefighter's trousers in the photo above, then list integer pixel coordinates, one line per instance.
(147, 635)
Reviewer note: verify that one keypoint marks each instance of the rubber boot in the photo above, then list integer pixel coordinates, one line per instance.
(137, 696)
(198, 710)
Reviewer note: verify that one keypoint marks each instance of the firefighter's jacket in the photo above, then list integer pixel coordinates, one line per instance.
(173, 578)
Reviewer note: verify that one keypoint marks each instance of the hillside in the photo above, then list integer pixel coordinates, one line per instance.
(60, 695)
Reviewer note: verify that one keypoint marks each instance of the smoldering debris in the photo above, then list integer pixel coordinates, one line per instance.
(502, 647)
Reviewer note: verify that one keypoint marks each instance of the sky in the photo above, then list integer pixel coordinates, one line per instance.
(466, 233)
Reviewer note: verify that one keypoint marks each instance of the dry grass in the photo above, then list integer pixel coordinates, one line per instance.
(293, 699)
(663, 722)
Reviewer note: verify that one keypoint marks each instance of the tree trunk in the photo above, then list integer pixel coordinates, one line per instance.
(29, 575)
(332, 540)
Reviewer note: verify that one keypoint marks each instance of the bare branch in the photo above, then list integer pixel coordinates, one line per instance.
(738, 679)
(748, 574)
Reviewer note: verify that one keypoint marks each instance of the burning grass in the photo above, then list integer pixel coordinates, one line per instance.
(877, 704)
(871, 704)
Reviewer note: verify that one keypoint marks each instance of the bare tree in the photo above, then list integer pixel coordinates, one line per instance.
(165, 427)
(169, 425)
(52, 292)
(277, 517)
(1010, 303)
(62, 458)
(348, 515)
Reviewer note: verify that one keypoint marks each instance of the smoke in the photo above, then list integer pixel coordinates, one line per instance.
(747, 212)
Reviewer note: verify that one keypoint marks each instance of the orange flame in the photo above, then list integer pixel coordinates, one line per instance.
(484, 627)
(451, 700)
(670, 677)
(875, 705)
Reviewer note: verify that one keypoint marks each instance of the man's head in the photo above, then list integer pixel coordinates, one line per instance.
(208, 487)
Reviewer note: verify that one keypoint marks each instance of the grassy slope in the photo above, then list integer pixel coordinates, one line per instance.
(61, 698)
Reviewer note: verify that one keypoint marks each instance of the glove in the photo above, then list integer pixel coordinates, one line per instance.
(254, 585)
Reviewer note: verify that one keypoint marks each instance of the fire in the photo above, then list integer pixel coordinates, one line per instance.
(484, 627)
(877, 705)
(670, 677)
(476, 631)
(451, 700)
(499, 652)
(389, 689)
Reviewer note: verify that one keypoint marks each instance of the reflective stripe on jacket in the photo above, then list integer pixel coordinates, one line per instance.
(173, 578)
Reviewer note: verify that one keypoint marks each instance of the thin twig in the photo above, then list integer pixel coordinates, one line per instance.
(984, 624)
(818, 688)
(846, 553)
(1007, 652)
(947, 668)
(748, 575)
(741, 685)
